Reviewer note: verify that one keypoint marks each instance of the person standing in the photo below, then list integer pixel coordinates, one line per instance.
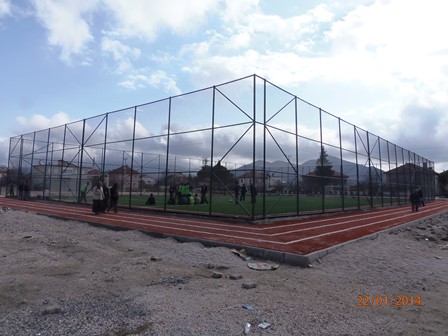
(415, 200)
(172, 190)
(237, 191)
(106, 198)
(98, 197)
(253, 193)
(243, 192)
(11, 190)
(204, 194)
(420, 196)
(84, 192)
(113, 198)
(26, 191)
(21, 190)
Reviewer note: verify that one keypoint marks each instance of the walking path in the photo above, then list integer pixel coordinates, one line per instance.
(295, 241)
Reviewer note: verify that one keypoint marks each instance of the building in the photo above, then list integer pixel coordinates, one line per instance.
(335, 183)
(126, 178)
(270, 182)
(403, 178)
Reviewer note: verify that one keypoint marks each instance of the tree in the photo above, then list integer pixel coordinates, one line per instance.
(222, 178)
(323, 165)
(323, 174)
(203, 174)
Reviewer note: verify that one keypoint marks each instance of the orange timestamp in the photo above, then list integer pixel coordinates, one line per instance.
(388, 300)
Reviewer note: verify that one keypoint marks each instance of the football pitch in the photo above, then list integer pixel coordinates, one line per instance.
(269, 205)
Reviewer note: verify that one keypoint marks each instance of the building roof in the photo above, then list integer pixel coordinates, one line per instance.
(123, 170)
(249, 175)
(406, 168)
(335, 174)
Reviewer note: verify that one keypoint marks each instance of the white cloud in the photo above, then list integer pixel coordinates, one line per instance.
(67, 28)
(376, 44)
(236, 12)
(156, 79)
(5, 8)
(268, 45)
(121, 53)
(126, 126)
(134, 82)
(365, 65)
(160, 78)
(145, 19)
(399, 49)
(399, 38)
(40, 122)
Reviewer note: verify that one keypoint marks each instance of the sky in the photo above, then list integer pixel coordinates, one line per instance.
(380, 64)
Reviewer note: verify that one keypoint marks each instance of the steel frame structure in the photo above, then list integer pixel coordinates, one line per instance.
(250, 128)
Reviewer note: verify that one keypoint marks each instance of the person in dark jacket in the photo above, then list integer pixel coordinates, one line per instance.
(151, 200)
(415, 200)
(204, 194)
(420, 196)
(243, 192)
(253, 193)
(106, 199)
(237, 191)
(113, 198)
(98, 197)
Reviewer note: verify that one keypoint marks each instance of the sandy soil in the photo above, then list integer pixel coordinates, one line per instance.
(70, 278)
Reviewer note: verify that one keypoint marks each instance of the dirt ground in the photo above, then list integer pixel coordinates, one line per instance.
(71, 278)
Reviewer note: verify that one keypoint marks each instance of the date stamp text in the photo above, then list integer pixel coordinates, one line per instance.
(388, 300)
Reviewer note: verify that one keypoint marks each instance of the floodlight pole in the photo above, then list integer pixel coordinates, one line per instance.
(397, 175)
(81, 158)
(32, 157)
(389, 178)
(264, 147)
(167, 150)
(381, 172)
(212, 152)
(370, 170)
(62, 162)
(103, 168)
(357, 167)
(132, 158)
(322, 177)
(342, 165)
(297, 156)
(253, 148)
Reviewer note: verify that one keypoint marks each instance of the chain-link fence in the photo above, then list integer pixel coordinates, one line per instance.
(245, 148)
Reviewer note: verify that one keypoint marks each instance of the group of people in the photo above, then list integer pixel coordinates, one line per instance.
(416, 199)
(23, 190)
(183, 195)
(104, 199)
(240, 193)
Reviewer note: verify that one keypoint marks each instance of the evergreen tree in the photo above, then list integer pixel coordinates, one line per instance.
(323, 165)
(222, 178)
(203, 174)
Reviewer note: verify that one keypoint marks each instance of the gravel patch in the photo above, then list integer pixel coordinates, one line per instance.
(70, 278)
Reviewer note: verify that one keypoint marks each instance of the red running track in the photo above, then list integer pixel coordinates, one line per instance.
(298, 236)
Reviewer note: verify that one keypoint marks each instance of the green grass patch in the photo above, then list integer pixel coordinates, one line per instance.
(272, 205)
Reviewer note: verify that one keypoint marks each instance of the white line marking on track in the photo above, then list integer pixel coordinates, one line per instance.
(178, 223)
